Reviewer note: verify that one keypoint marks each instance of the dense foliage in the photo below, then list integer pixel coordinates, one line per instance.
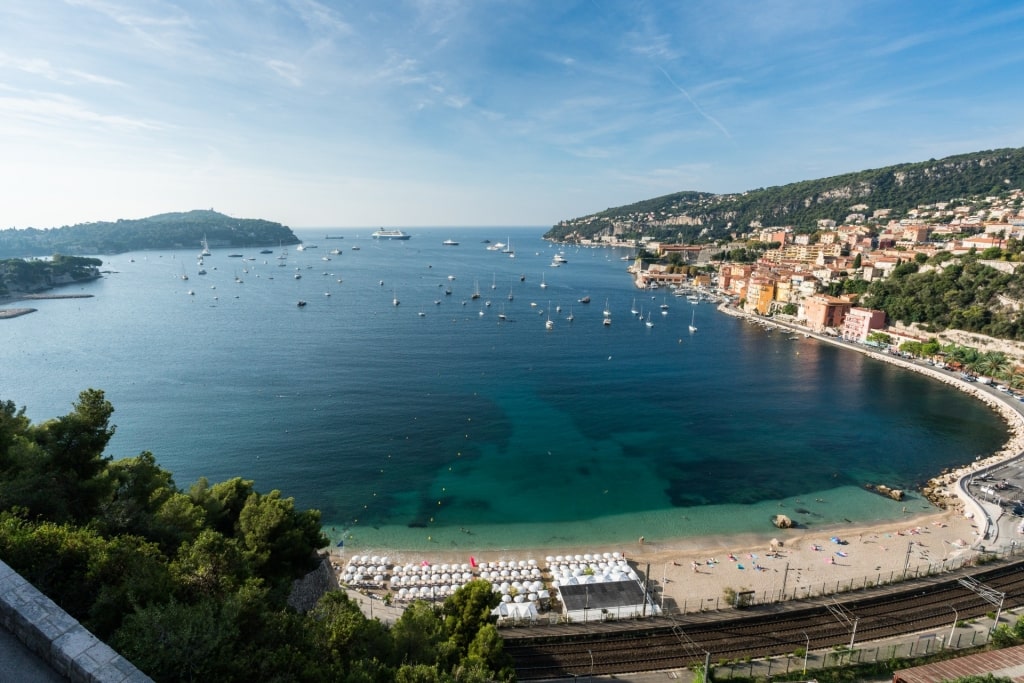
(689, 217)
(19, 275)
(963, 294)
(164, 231)
(192, 585)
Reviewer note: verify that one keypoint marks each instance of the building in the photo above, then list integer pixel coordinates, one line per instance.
(825, 313)
(860, 322)
(606, 600)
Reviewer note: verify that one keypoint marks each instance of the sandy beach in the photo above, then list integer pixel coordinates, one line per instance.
(691, 574)
(696, 572)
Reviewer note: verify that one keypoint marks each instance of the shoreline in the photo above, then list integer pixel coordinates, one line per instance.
(693, 571)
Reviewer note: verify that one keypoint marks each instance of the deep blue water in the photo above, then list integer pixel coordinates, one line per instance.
(455, 428)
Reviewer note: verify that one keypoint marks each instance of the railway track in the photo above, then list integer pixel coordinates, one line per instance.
(773, 630)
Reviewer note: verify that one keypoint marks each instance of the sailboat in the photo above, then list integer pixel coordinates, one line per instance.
(648, 322)
(607, 310)
(693, 327)
(543, 285)
(206, 247)
(633, 309)
(549, 324)
(570, 317)
(476, 292)
(394, 300)
(494, 282)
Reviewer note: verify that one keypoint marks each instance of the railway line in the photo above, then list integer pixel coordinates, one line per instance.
(664, 643)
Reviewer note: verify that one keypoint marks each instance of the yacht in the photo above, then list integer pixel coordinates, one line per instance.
(450, 243)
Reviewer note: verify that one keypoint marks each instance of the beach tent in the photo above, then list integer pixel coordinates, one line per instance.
(516, 611)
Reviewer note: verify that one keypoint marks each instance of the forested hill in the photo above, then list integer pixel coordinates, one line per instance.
(164, 231)
(702, 216)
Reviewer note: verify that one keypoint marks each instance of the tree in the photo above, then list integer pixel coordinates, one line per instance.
(418, 634)
(279, 542)
(74, 446)
(467, 610)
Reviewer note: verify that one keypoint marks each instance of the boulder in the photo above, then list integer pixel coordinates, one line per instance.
(782, 521)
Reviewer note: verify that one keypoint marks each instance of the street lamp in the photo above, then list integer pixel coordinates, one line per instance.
(807, 649)
(956, 618)
(591, 676)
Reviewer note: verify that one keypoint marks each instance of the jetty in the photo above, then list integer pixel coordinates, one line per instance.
(14, 312)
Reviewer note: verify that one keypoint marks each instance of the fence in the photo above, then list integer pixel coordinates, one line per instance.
(816, 661)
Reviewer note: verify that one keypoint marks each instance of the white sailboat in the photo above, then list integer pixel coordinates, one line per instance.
(206, 247)
(549, 324)
(543, 285)
(633, 309)
(693, 327)
(648, 322)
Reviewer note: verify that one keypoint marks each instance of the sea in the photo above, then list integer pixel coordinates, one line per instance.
(417, 416)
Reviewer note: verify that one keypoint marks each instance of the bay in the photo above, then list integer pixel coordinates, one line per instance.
(434, 424)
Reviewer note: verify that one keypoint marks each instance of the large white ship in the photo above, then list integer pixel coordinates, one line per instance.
(383, 234)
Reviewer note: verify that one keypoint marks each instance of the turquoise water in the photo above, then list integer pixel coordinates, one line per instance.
(454, 429)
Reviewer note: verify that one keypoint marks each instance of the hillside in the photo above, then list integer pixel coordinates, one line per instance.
(164, 231)
(702, 217)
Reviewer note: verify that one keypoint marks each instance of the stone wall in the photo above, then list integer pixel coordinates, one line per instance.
(56, 637)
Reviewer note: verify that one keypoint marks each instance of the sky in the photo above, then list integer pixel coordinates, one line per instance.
(365, 113)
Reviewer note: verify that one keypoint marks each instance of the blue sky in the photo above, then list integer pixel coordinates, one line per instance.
(479, 112)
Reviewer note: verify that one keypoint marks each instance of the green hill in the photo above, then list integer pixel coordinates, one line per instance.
(702, 216)
(164, 231)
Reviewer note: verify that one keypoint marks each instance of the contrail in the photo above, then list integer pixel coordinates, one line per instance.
(694, 103)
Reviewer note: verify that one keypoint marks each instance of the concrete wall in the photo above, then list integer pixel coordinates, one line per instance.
(56, 637)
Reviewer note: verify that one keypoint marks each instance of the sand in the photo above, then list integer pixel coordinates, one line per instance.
(689, 573)
(696, 572)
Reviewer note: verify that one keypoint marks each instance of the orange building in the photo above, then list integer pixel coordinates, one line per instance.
(823, 312)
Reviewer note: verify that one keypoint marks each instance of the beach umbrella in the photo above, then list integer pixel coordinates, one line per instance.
(506, 598)
(520, 598)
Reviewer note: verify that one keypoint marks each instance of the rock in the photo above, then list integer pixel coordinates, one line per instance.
(782, 521)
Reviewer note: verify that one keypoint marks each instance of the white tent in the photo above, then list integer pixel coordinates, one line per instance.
(516, 611)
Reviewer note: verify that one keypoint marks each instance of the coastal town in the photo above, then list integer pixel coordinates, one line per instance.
(790, 280)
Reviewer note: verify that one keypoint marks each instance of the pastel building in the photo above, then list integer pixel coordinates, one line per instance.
(860, 322)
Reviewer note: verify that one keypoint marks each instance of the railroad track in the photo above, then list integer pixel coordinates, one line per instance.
(760, 632)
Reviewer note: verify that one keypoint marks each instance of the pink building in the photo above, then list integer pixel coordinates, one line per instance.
(860, 322)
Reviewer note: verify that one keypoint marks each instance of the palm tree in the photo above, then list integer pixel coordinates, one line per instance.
(994, 364)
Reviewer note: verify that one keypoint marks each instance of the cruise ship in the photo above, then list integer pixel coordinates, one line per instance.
(383, 234)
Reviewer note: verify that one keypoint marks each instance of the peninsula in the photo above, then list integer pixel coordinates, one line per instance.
(163, 231)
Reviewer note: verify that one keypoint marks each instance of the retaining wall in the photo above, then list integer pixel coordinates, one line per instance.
(57, 638)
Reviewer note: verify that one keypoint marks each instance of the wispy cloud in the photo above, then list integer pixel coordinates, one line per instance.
(693, 102)
(59, 110)
(288, 72)
(38, 66)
